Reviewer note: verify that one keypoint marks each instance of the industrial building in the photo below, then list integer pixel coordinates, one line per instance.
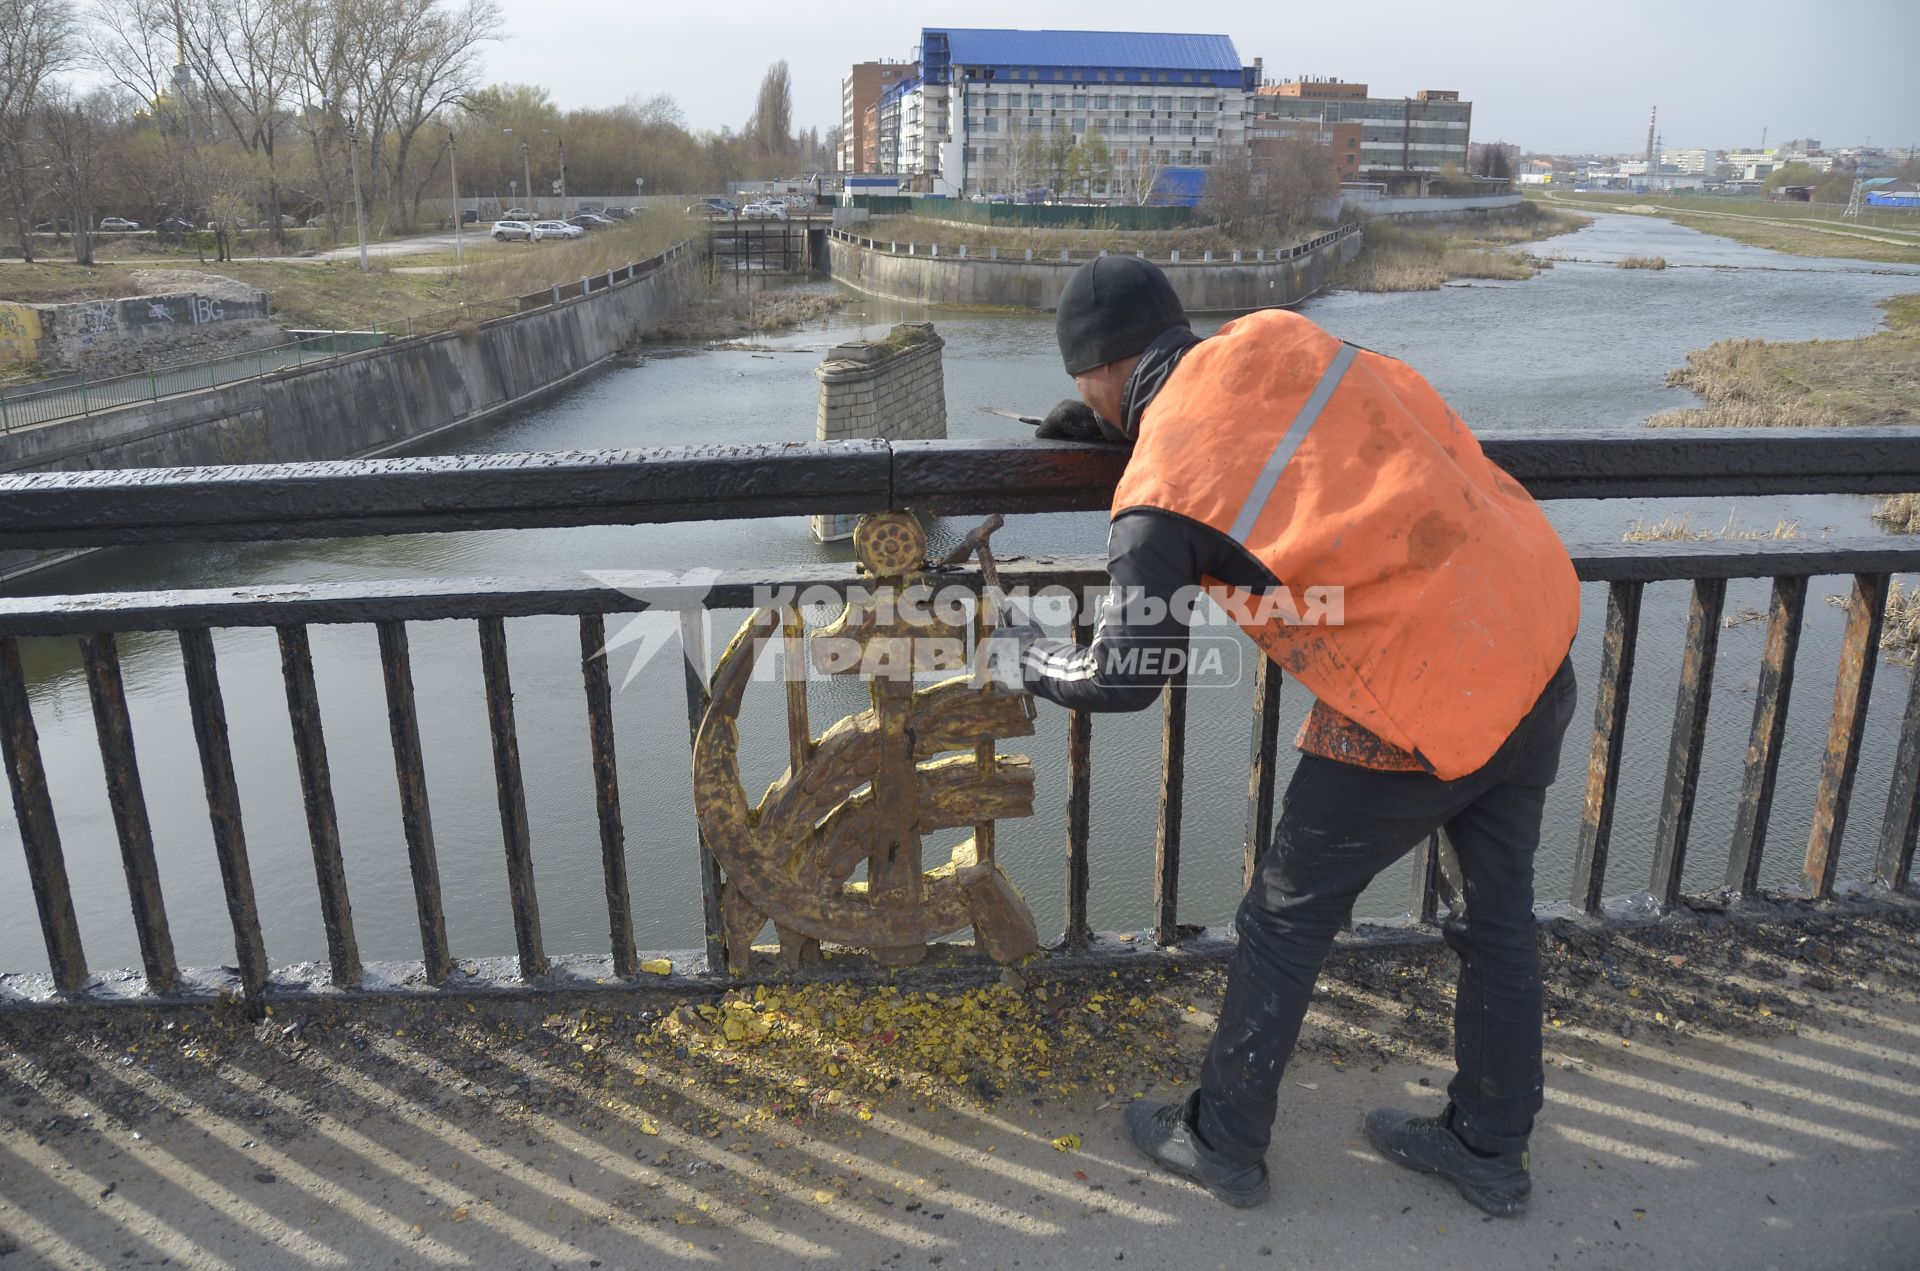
(858, 93)
(1403, 140)
(991, 112)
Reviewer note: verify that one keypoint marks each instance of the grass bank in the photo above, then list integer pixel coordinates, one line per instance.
(1810, 383)
(1776, 226)
(1404, 256)
(394, 291)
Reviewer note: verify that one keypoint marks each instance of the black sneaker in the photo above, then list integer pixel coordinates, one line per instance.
(1498, 1184)
(1164, 1134)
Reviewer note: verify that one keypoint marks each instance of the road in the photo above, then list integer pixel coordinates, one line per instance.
(417, 245)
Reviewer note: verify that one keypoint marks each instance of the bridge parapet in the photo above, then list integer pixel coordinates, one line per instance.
(350, 499)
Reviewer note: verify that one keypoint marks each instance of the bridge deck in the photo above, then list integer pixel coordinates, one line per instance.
(1717, 1091)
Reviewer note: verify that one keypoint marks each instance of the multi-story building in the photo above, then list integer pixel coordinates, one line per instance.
(999, 111)
(1342, 140)
(858, 92)
(1403, 140)
(1752, 165)
(1688, 162)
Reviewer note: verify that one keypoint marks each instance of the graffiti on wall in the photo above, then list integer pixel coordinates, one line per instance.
(19, 335)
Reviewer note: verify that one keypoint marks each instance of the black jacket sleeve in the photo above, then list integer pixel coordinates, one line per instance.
(1141, 634)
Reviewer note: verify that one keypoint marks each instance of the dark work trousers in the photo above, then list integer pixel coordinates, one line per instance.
(1339, 826)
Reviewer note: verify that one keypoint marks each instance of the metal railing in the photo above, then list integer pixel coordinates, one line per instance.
(1028, 255)
(82, 398)
(423, 495)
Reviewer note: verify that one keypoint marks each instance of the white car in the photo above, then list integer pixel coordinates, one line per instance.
(118, 223)
(505, 230)
(764, 210)
(555, 229)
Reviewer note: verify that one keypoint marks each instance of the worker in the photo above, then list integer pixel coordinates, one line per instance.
(1273, 458)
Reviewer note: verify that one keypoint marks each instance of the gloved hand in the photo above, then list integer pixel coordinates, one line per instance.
(1071, 420)
(1005, 649)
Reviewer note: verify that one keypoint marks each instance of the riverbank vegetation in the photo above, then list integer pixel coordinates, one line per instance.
(1809, 383)
(1399, 256)
(1643, 262)
(715, 313)
(1796, 229)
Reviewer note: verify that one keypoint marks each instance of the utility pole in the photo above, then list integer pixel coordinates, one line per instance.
(453, 166)
(563, 168)
(359, 207)
(526, 165)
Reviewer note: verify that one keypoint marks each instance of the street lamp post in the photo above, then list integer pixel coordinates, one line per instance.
(563, 167)
(526, 164)
(453, 167)
(359, 206)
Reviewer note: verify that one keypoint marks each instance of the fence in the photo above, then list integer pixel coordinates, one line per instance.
(1236, 256)
(84, 397)
(349, 499)
(1038, 215)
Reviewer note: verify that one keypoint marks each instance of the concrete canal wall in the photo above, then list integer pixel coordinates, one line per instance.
(361, 405)
(927, 274)
(368, 403)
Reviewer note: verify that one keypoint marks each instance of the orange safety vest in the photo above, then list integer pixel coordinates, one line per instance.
(1337, 467)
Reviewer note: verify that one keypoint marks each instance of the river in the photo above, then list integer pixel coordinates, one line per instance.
(1581, 346)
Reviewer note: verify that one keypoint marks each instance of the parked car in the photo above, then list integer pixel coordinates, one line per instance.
(588, 209)
(118, 223)
(469, 217)
(517, 214)
(765, 210)
(54, 227)
(554, 229)
(175, 225)
(714, 205)
(618, 213)
(592, 221)
(504, 231)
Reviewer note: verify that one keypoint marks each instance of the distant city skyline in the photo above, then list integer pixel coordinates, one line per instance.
(1719, 70)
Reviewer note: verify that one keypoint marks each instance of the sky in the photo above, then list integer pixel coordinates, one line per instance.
(1546, 75)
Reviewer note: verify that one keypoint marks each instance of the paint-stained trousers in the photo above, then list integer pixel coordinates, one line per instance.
(1339, 826)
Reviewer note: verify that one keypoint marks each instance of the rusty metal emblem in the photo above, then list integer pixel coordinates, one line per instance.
(918, 761)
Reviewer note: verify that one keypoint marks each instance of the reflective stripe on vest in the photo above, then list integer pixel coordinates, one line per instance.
(1263, 485)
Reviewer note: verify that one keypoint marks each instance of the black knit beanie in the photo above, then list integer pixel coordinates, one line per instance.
(1112, 308)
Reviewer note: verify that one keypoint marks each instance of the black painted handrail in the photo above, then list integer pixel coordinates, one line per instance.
(350, 498)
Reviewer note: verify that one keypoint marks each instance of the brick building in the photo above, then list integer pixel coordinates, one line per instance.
(858, 92)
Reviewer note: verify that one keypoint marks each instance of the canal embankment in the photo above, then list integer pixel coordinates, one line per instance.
(954, 274)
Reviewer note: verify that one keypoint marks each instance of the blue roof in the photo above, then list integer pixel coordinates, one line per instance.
(1117, 49)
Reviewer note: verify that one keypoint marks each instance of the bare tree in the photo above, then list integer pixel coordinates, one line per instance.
(1137, 181)
(1293, 179)
(242, 50)
(771, 127)
(75, 133)
(36, 41)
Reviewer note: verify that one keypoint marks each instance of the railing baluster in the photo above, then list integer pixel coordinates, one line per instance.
(1769, 727)
(209, 713)
(1267, 678)
(1079, 791)
(1689, 736)
(39, 833)
(1609, 736)
(693, 660)
(316, 790)
(513, 798)
(606, 794)
(799, 729)
(114, 728)
(1859, 652)
(1898, 832)
(416, 819)
(1166, 841)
